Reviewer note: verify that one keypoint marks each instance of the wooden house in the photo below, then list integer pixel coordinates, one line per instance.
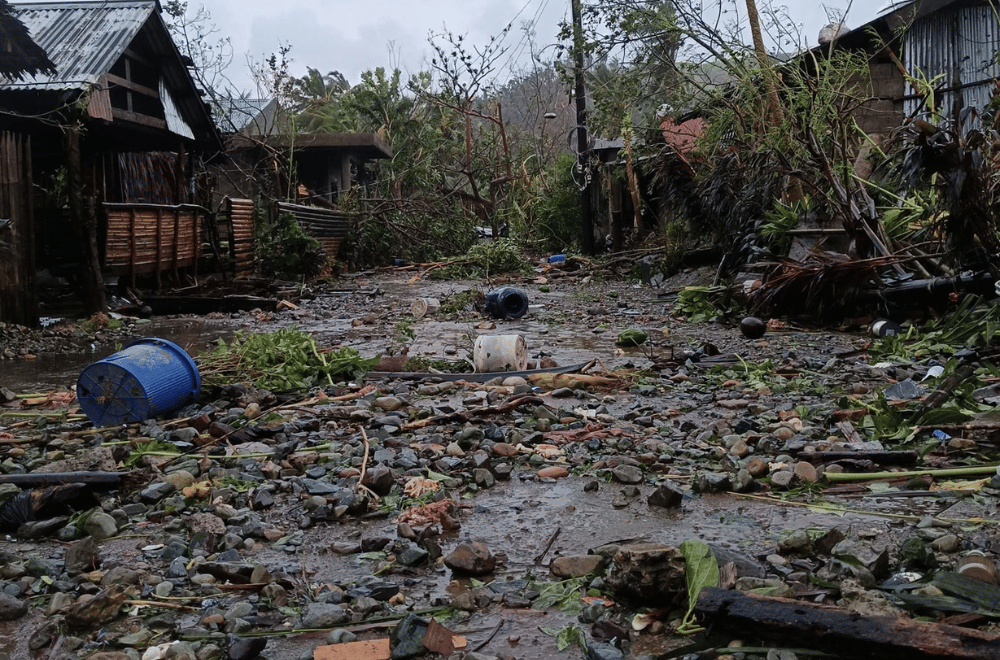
(120, 133)
(261, 149)
(20, 57)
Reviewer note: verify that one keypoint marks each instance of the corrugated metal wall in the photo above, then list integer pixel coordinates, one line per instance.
(326, 226)
(961, 43)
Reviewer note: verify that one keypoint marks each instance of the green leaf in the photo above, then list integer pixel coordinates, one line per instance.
(568, 636)
(700, 570)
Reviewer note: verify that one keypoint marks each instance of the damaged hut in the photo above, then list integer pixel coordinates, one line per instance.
(120, 134)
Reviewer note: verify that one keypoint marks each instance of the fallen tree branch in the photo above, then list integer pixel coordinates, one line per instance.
(503, 408)
(36, 479)
(836, 630)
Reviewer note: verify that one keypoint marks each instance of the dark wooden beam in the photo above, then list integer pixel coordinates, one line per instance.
(136, 118)
(840, 631)
(135, 87)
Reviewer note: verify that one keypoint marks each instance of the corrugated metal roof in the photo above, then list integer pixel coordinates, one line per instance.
(235, 114)
(83, 39)
(961, 43)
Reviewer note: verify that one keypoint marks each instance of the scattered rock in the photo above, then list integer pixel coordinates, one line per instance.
(471, 558)
(573, 567)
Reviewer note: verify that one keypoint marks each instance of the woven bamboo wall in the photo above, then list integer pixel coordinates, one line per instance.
(148, 238)
(241, 244)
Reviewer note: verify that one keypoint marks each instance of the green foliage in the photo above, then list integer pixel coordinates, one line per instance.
(778, 222)
(458, 302)
(700, 570)
(283, 360)
(566, 636)
(971, 324)
(153, 447)
(631, 337)
(553, 217)
(701, 303)
(485, 259)
(564, 595)
(285, 250)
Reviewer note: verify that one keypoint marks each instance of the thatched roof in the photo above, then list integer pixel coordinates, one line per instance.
(19, 55)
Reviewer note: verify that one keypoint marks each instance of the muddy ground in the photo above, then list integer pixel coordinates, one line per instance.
(683, 412)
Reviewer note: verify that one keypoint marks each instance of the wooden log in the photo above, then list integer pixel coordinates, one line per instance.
(838, 631)
(878, 457)
(36, 479)
(947, 387)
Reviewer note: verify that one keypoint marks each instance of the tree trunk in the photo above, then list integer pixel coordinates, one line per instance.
(85, 226)
(793, 188)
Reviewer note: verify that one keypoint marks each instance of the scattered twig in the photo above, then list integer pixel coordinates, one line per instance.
(492, 634)
(545, 550)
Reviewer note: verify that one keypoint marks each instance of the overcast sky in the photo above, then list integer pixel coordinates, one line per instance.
(351, 36)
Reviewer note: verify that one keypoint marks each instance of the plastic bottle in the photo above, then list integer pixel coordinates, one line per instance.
(885, 328)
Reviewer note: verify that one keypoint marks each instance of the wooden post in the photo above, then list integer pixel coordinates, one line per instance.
(159, 249)
(85, 226)
(131, 244)
(176, 242)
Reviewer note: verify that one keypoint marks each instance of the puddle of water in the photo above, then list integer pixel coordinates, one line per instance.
(517, 518)
(51, 371)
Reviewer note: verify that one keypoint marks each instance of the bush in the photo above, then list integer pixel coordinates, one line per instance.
(553, 223)
(285, 250)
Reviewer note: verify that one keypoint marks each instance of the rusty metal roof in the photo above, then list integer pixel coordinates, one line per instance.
(83, 39)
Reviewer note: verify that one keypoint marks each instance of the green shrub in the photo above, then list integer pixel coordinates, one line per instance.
(553, 222)
(285, 250)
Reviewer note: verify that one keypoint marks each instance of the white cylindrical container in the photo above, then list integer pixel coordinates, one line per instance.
(500, 353)
(424, 306)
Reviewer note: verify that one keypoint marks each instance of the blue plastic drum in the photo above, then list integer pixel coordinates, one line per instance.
(149, 378)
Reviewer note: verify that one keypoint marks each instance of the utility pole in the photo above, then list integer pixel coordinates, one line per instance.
(582, 141)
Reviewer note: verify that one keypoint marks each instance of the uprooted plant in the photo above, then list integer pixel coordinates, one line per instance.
(283, 360)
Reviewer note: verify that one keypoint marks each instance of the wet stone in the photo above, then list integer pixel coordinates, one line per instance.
(101, 526)
(947, 543)
(627, 474)
(797, 542)
(553, 472)
(806, 472)
(744, 482)
(81, 557)
(12, 608)
(667, 495)
(244, 648)
(178, 568)
(713, 482)
(412, 556)
(483, 478)
(323, 615)
(156, 492)
(603, 651)
(471, 558)
(756, 466)
(406, 638)
(575, 566)
(783, 479)
(340, 636)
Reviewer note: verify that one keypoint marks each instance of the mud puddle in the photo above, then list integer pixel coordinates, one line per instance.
(516, 519)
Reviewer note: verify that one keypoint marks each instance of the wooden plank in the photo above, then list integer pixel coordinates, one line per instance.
(136, 118)
(159, 248)
(132, 86)
(132, 255)
(830, 629)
